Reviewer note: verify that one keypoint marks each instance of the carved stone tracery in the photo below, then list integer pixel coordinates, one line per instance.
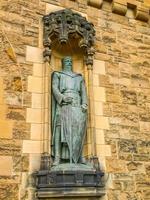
(64, 25)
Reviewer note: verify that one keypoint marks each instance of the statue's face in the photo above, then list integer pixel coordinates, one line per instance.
(67, 63)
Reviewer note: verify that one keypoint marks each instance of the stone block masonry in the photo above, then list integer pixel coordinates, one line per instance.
(19, 29)
(121, 85)
(121, 7)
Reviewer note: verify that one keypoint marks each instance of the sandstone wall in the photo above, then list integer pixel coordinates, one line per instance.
(121, 85)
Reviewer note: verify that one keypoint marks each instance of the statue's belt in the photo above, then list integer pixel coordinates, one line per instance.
(70, 91)
(73, 104)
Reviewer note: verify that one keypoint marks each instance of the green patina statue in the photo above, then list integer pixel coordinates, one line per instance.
(69, 114)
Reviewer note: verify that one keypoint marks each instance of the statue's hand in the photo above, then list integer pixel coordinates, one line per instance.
(84, 107)
(67, 99)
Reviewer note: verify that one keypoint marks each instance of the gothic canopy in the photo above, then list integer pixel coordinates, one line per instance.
(65, 25)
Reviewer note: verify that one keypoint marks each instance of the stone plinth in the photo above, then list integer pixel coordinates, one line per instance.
(74, 181)
(71, 193)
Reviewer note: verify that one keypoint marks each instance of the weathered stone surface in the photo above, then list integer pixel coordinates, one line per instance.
(115, 166)
(141, 157)
(135, 167)
(16, 114)
(9, 191)
(129, 97)
(142, 185)
(19, 27)
(21, 130)
(127, 146)
(125, 156)
(108, 38)
(10, 147)
(147, 170)
(21, 163)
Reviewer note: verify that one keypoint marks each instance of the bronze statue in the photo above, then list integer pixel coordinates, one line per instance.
(69, 114)
(69, 173)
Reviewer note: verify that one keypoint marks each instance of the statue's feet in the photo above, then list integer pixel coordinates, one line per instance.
(56, 161)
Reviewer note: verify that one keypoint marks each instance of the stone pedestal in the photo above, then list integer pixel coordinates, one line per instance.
(73, 181)
(72, 193)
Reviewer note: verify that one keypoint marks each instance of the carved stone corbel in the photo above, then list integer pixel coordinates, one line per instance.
(119, 7)
(95, 3)
(142, 14)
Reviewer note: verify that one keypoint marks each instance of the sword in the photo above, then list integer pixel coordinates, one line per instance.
(70, 136)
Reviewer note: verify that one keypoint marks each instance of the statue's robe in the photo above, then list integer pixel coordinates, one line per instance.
(69, 117)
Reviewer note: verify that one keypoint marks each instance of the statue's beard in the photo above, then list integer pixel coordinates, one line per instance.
(67, 68)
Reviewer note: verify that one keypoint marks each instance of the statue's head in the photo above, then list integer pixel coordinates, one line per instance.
(67, 63)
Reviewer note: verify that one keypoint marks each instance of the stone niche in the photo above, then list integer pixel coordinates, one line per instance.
(69, 34)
